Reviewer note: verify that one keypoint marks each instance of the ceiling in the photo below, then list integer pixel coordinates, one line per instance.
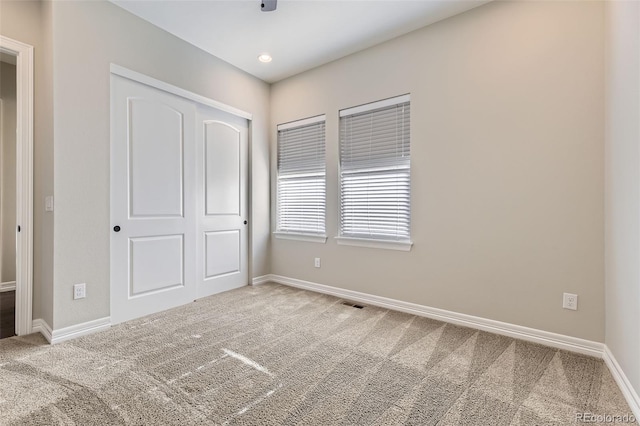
(299, 35)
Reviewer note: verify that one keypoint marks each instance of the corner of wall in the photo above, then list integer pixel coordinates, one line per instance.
(622, 189)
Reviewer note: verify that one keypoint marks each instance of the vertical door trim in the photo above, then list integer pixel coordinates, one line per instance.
(24, 181)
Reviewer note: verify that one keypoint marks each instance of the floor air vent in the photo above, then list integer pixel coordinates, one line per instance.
(353, 305)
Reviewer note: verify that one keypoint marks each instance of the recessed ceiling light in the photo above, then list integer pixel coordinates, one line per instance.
(265, 57)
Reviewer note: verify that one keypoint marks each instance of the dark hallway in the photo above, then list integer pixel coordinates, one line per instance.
(7, 314)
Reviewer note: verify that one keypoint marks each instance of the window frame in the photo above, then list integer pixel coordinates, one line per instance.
(402, 244)
(293, 234)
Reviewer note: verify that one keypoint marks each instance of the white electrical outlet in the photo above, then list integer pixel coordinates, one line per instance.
(317, 262)
(570, 301)
(79, 291)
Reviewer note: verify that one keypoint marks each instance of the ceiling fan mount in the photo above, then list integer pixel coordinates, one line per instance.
(268, 5)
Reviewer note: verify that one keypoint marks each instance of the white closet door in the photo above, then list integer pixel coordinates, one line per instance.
(222, 152)
(153, 241)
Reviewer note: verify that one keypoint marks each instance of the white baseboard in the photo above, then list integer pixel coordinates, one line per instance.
(559, 341)
(7, 286)
(623, 382)
(261, 279)
(41, 326)
(71, 332)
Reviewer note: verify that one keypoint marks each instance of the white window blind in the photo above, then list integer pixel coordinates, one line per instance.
(301, 177)
(375, 171)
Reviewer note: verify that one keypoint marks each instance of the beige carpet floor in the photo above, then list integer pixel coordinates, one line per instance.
(274, 355)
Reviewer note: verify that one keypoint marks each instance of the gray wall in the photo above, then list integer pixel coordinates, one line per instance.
(622, 178)
(87, 37)
(507, 171)
(8, 173)
(30, 22)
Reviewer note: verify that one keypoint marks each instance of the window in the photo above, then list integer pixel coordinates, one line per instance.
(375, 174)
(301, 180)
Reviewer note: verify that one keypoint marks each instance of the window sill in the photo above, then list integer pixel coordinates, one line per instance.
(310, 238)
(371, 243)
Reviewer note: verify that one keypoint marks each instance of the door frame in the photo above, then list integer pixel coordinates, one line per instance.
(24, 181)
(175, 90)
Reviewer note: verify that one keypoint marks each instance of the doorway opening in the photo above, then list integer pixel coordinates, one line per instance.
(16, 187)
(8, 224)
